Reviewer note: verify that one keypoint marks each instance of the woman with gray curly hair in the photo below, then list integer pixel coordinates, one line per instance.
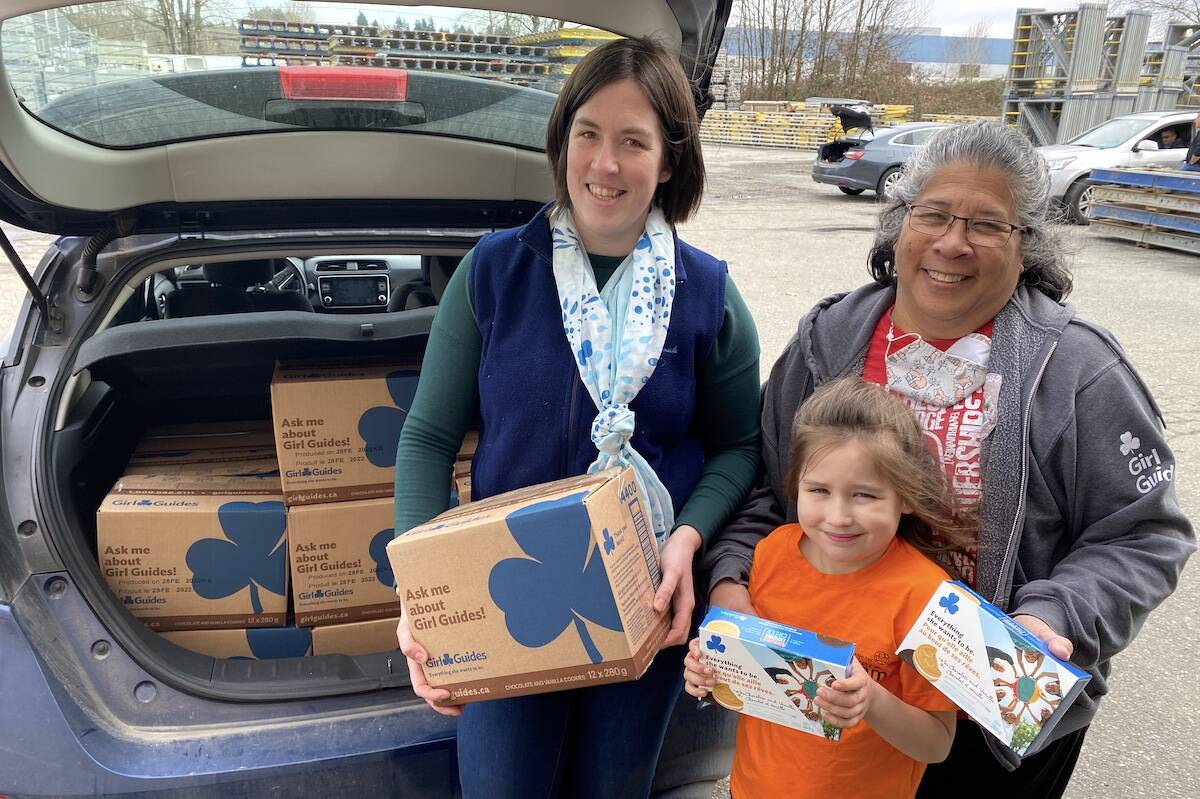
(1048, 437)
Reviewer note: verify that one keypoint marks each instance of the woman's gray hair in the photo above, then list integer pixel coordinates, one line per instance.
(984, 145)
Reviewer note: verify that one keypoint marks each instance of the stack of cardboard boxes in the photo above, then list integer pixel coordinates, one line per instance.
(192, 539)
(210, 523)
(336, 427)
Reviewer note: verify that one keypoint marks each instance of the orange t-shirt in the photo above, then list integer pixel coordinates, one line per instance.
(874, 607)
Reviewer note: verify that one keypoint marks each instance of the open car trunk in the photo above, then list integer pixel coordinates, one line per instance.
(835, 151)
(204, 369)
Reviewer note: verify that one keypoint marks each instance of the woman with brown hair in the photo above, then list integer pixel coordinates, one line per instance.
(594, 317)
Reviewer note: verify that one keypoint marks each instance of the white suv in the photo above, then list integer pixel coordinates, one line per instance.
(1131, 140)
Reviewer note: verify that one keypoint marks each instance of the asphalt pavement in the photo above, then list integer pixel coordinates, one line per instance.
(789, 242)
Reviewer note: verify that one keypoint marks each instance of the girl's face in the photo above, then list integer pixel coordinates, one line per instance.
(615, 161)
(848, 511)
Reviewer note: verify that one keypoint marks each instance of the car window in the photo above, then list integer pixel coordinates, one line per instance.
(131, 73)
(922, 137)
(903, 138)
(1111, 133)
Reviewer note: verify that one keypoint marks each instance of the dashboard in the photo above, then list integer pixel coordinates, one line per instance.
(357, 283)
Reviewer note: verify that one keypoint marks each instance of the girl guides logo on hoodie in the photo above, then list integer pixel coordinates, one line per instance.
(1147, 468)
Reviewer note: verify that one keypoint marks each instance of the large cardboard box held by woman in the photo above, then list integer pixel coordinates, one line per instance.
(542, 589)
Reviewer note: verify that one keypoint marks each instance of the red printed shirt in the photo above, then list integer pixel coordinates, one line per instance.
(953, 433)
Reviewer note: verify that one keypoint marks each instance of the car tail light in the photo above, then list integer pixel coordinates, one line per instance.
(854, 155)
(343, 83)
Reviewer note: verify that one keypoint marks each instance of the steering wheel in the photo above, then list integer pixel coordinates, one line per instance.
(289, 279)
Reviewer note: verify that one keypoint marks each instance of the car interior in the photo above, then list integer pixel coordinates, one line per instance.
(329, 284)
(1183, 136)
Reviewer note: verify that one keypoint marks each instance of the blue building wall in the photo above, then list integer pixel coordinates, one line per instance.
(920, 48)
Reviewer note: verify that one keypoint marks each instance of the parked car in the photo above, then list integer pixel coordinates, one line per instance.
(163, 188)
(870, 161)
(1131, 140)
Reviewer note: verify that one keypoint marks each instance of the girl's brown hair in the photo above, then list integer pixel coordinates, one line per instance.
(851, 409)
(661, 77)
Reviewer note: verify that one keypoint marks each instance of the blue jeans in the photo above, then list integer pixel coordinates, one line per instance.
(600, 742)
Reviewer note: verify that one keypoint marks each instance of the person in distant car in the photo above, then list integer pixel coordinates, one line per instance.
(557, 335)
(1170, 140)
(1191, 162)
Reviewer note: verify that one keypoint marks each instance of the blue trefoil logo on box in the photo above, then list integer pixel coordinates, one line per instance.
(380, 427)
(253, 553)
(561, 584)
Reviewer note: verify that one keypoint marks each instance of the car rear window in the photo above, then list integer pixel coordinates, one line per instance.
(135, 73)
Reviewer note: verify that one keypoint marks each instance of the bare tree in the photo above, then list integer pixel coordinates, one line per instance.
(1165, 11)
(172, 26)
(772, 36)
(499, 23)
(790, 48)
(288, 11)
(968, 51)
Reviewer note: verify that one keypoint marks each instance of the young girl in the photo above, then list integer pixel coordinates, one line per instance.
(869, 498)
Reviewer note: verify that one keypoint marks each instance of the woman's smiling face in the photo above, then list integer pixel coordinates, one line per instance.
(615, 160)
(947, 287)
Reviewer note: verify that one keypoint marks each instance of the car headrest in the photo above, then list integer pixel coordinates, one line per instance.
(239, 273)
(437, 269)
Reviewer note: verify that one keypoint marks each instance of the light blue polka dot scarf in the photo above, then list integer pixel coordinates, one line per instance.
(617, 336)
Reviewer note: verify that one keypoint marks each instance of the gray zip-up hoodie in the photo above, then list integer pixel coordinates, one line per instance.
(1079, 521)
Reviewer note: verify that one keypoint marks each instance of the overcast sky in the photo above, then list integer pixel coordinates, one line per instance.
(956, 16)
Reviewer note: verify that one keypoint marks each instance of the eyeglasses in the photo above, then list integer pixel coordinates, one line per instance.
(982, 232)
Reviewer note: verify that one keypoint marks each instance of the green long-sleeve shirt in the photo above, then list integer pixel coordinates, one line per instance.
(447, 398)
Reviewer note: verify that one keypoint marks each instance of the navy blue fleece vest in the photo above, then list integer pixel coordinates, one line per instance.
(535, 413)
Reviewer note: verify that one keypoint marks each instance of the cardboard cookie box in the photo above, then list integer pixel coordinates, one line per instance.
(184, 438)
(259, 643)
(772, 671)
(537, 590)
(340, 568)
(336, 425)
(356, 638)
(196, 551)
(996, 671)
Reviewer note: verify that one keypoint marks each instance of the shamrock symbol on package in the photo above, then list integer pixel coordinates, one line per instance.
(268, 643)
(714, 643)
(379, 427)
(252, 554)
(609, 543)
(950, 603)
(562, 582)
(1129, 443)
(378, 551)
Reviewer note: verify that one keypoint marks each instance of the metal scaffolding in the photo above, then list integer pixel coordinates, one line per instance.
(1071, 70)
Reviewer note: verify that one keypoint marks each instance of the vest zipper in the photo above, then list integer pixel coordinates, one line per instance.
(1004, 576)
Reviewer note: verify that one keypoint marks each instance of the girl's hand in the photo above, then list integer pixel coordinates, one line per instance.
(846, 702)
(698, 677)
(676, 588)
(416, 656)
(732, 596)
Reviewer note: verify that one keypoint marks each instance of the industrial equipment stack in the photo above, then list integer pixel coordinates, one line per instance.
(539, 60)
(1150, 207)
(1071, 70)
